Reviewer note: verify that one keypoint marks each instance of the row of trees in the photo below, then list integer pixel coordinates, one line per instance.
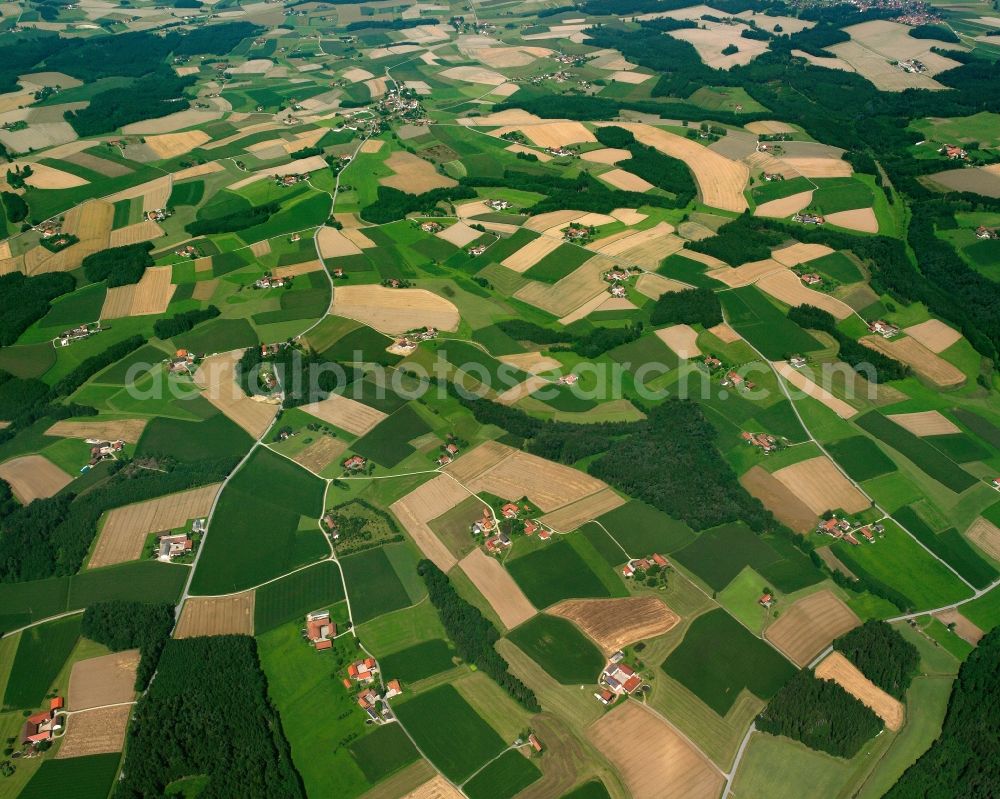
(699, 306)
(230, 223)
(184, 321)
(14, 206)
(207, 713)
(820, 714)
(473, 634)
(663, 171)
(882, 655)
(119, 266)
(129, 625)
(392, 204)
(851, 352)
(589, 344)
(963, 759)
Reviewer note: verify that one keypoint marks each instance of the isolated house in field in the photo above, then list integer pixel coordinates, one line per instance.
(712, 362)
(765, 601)
(331, 526)
(320, 630)
(173, 546)
(443, 459)
(354, 463)
(535, 743)
(620, 678)
(41, 726)
(635, 565)
(811, 279)
(797, 361)
(983, 232)
(479, 249)
(762, 441)
(617, 290)
(431, 227)
(884, 329)
(363, 671)
(954, 152)
(568, 380)
(732, 378)
(498, 205)
(451, 448)
(660, 561)
(544, 533)
(392, 688)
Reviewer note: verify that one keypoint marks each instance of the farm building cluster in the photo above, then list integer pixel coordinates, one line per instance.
(617, 679)
(844, 529)
(171, 546)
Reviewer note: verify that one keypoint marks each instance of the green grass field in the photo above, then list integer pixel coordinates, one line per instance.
(418, 662)
(778, 189)
(40, 657)
(261, 534)
(373, 585)
(293, 596)
(88, 777)
(836, 265)
(718, 555)
(387, 443)
(840, 194)
(589, 790)
(83, 305)
(554, 573)
(383, 752)
(641, 529)
(985, 611)
(216, 437)
(738, 660)
(764, 326)
(951, 547)
(778, 768)
(928, 459)
(560, 648)
(361, 345)
(449, 731)
(506, 776)
(558, 263)
(861, 458)
(900, 562)
(219, 335)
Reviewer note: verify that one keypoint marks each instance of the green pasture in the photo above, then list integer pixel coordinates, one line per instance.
(560, 648)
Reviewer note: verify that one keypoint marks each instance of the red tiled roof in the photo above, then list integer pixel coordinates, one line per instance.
(347, 683)
(326, 643)
(631, 683)
(38, 718)
(353, 670)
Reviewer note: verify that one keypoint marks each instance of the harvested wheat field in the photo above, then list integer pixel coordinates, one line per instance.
(500, 57)
(570, 517)
(224, 615)
(478, 460)
(682, 339)
(436, 788)
(522, 390)
(654, 286)
(103, 166)
(924, 362)
(777, 498)
(428, 502)
(802, 380)
(799, 253)
(786, 206)
(985, 535)
(631, 78)
(769, 126)
(724, 333)
(584, 310)
(553, 134)
(745, 274)
(151, 295)
(216, 378)
(840, 670)
(565, 296)
(548, 484)
(356, 75)
(712, 41)
(198, 171)
(126, 429)
(810, 166)
(481, 75)
(394, 310)
(170, 145)
(531, 253)
(294, 270)
(320, 454)
(614, 624)
(926, 423)
(807, 627)
(90, 221)
(625, 181)
(498, 588)
(532, 362)
(459, 234)
(413, 174)
(33, 477)
(105, 680)
(125, 529)
(606, 155)
(371, 146)
(522, 148)
(334, 244)
(95, 732)
(787, 287)
(358, 237)
(821, 486)
(348, 414)
(934, 334)
(862, 219)
(964, 628)
(47, 177)
(653, 759)
(720, 181)
(551, 219)
(628, 216)
(147, 230)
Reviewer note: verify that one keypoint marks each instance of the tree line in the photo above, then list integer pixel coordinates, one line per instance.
(183, 322)
(121, 625)
(235, 221)
(699, 306)
(119, 266)
(663, 171)
(473, 634)
(589, 344)
(882, 655)
(392, 204)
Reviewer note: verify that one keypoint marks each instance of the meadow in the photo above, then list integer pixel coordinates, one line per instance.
(41, 653)
(556, 645)
(764, 326)
(506, 776)
(91, 777)
(861, 458)
(387, 443)
(950, 546)
(383, 752)
(739, 660)
(641, 529)
(554, 573)
(187, 441)
(418, 662)
(718, 555)
(373, 584)
(449, 731)
(291, 597)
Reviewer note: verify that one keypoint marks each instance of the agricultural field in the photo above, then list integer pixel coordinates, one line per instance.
(443, 322)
